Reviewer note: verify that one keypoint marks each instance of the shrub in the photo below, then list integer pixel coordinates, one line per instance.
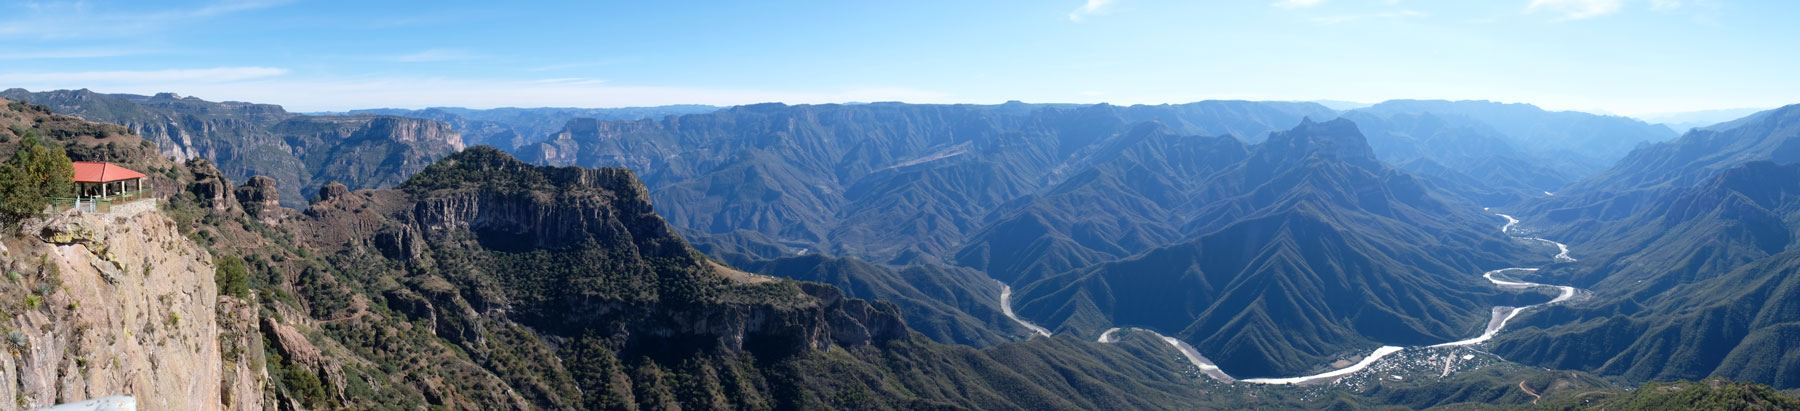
(231, 277)
(304, 386)
(34, 173)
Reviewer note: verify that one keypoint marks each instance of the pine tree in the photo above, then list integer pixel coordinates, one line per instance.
(35, 173)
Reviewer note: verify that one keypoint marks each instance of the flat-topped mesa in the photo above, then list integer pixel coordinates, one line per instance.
(595, 128)
(404, 129)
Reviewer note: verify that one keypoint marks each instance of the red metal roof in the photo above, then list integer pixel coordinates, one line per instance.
(89, 172)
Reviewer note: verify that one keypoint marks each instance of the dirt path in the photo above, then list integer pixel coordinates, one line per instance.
(358, 315)
(738, 276)
(1534, 395)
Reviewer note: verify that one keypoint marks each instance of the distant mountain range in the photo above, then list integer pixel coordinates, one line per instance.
(510, 128)
(1681, 122)
(1309, 228)
(1029, 194)
(853, 256)
(1500, 153)
(244, 139)
(1026, 193)
(1693, 255)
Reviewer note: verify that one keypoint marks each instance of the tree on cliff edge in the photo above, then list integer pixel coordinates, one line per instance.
(35, 173)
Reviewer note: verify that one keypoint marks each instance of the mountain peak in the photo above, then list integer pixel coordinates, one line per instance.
(1337, 139)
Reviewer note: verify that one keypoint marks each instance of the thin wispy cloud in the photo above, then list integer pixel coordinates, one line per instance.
(558, 67)
(1702, 11)
(205, 75)
(1388, 15)
(435, 55)
(575, 81)
(1092, 7)
(70, 53)
(72, 20)
(571, 66)
(1576, 9)
(228, 7)
(1297, 4)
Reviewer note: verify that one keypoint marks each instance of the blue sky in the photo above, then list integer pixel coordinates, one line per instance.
(1622, 56)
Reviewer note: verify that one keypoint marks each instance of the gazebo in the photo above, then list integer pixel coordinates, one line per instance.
(103, 184)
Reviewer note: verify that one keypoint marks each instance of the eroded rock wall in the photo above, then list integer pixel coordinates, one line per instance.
(99, 305)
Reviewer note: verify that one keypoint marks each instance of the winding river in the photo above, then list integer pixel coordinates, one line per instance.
(1006, 308)
(1497, 321)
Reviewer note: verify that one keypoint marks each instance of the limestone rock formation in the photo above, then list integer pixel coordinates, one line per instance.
(260, 198)
(210, 186)
(332, 191)
(117, 305)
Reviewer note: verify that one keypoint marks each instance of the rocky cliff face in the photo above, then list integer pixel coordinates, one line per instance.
(363, 151)
(100, 305)
(512, 262)
(606, 141)
(570, 210)
(185, 128)
(618, 215)
(245, 139)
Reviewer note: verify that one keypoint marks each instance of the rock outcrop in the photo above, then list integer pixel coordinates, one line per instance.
(241, 356)
(210, 187)
(301, 352)
(333, 191)
(260, 198)
(109, 305)
(602, 266)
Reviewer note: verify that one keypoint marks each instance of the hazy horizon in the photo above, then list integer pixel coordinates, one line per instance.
(1633, 58)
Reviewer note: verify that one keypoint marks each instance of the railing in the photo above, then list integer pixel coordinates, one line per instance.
(98, 204)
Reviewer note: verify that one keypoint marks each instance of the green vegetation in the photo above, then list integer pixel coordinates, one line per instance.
(301, 152)
(35, 173)
(947, 304)
(230, 277)
(1711, 394)
(1696, 254)
(303, 385)
(489, 283)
